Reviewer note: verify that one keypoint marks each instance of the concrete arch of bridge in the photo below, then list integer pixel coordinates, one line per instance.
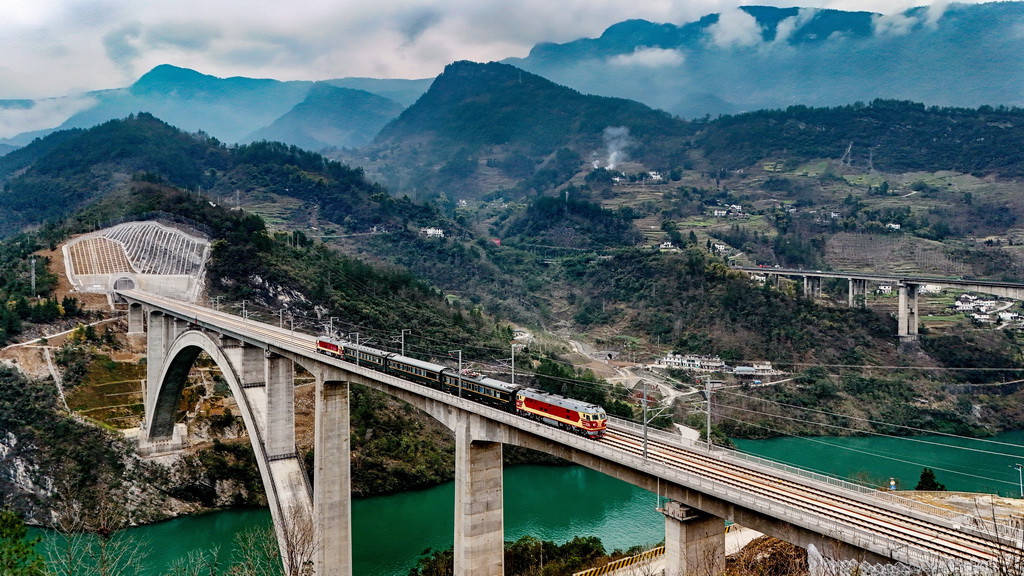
(179, 359)
(291, 508)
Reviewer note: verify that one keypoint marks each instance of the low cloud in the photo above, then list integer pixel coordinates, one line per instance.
(735, 29)
(122, 45)
(184, 36)
(901, 23)
(61, 46)
(39, 114)
(893, 24)
(789, 26)
(415, 23)
(649, 57)
(935, 12)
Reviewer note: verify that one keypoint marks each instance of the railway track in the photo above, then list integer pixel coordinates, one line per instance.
(909, 530)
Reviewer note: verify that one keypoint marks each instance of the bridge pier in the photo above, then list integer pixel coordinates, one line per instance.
(280, 379)
(136, 318)
(479, 513)
(694, 542)
(812, 287)
(332, 479)
(165, 436)
(907, 315)
(857, 287)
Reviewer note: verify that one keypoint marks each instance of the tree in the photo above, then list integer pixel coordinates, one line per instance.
(928, 482)
(18, 556)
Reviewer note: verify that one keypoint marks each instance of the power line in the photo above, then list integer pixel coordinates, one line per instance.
(868, 420)
(847, 429)
(874, 454)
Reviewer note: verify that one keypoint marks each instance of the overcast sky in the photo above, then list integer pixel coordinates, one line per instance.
(61, 47)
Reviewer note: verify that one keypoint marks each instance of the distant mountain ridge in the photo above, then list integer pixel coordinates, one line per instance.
(331, 117)
(758, 57)
(237, 109)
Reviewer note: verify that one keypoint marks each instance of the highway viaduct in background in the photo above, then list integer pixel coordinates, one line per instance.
(908, 287)
(704, 486)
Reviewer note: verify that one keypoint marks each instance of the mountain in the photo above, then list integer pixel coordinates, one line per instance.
(226, 108)
(758, 57)
(331, 117)
(403, 91)
(233, 110)
(70, 170)
(484, 126)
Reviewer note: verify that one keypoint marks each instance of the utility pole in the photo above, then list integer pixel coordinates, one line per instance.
(245, 314)
(33, 276)
(1020, 477)
(645, 418)
(357, 344)
(459, 352)
(707, 393)
(513, 363)
(402, 338)
(648, 417)
(331, 333)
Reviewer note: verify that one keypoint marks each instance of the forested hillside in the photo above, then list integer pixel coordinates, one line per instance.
(894, 136)
(66, 171)
(494, 123)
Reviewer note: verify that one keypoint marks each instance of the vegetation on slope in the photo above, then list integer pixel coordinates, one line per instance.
(894, 135)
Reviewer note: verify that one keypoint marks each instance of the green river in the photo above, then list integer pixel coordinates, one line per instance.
(558, 503)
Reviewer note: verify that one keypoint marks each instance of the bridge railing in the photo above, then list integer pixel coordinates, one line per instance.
(663, 435)
(988, 526)
(962, 520)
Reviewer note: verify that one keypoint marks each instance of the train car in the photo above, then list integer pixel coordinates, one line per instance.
(481, 389)
(415, 370)
(365, 356)
(330, 347)
(574, 415)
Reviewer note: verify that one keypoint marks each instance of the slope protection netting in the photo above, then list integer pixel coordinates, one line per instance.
(154, 249)
(98, 255)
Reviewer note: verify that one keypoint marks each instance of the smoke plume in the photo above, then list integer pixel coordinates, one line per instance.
(616, 140)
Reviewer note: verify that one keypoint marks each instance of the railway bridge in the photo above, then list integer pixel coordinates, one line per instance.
(705, 486)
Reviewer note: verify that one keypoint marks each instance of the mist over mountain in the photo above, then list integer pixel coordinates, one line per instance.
(758, 57)
(226, 108)
(233, 110)
(331, 117)
(403, 91)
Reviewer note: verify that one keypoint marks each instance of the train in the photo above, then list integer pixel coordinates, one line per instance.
(583, 418)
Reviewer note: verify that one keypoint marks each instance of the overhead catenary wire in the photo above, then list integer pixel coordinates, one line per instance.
(727, 392)
(870, 453)
(872, 433)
